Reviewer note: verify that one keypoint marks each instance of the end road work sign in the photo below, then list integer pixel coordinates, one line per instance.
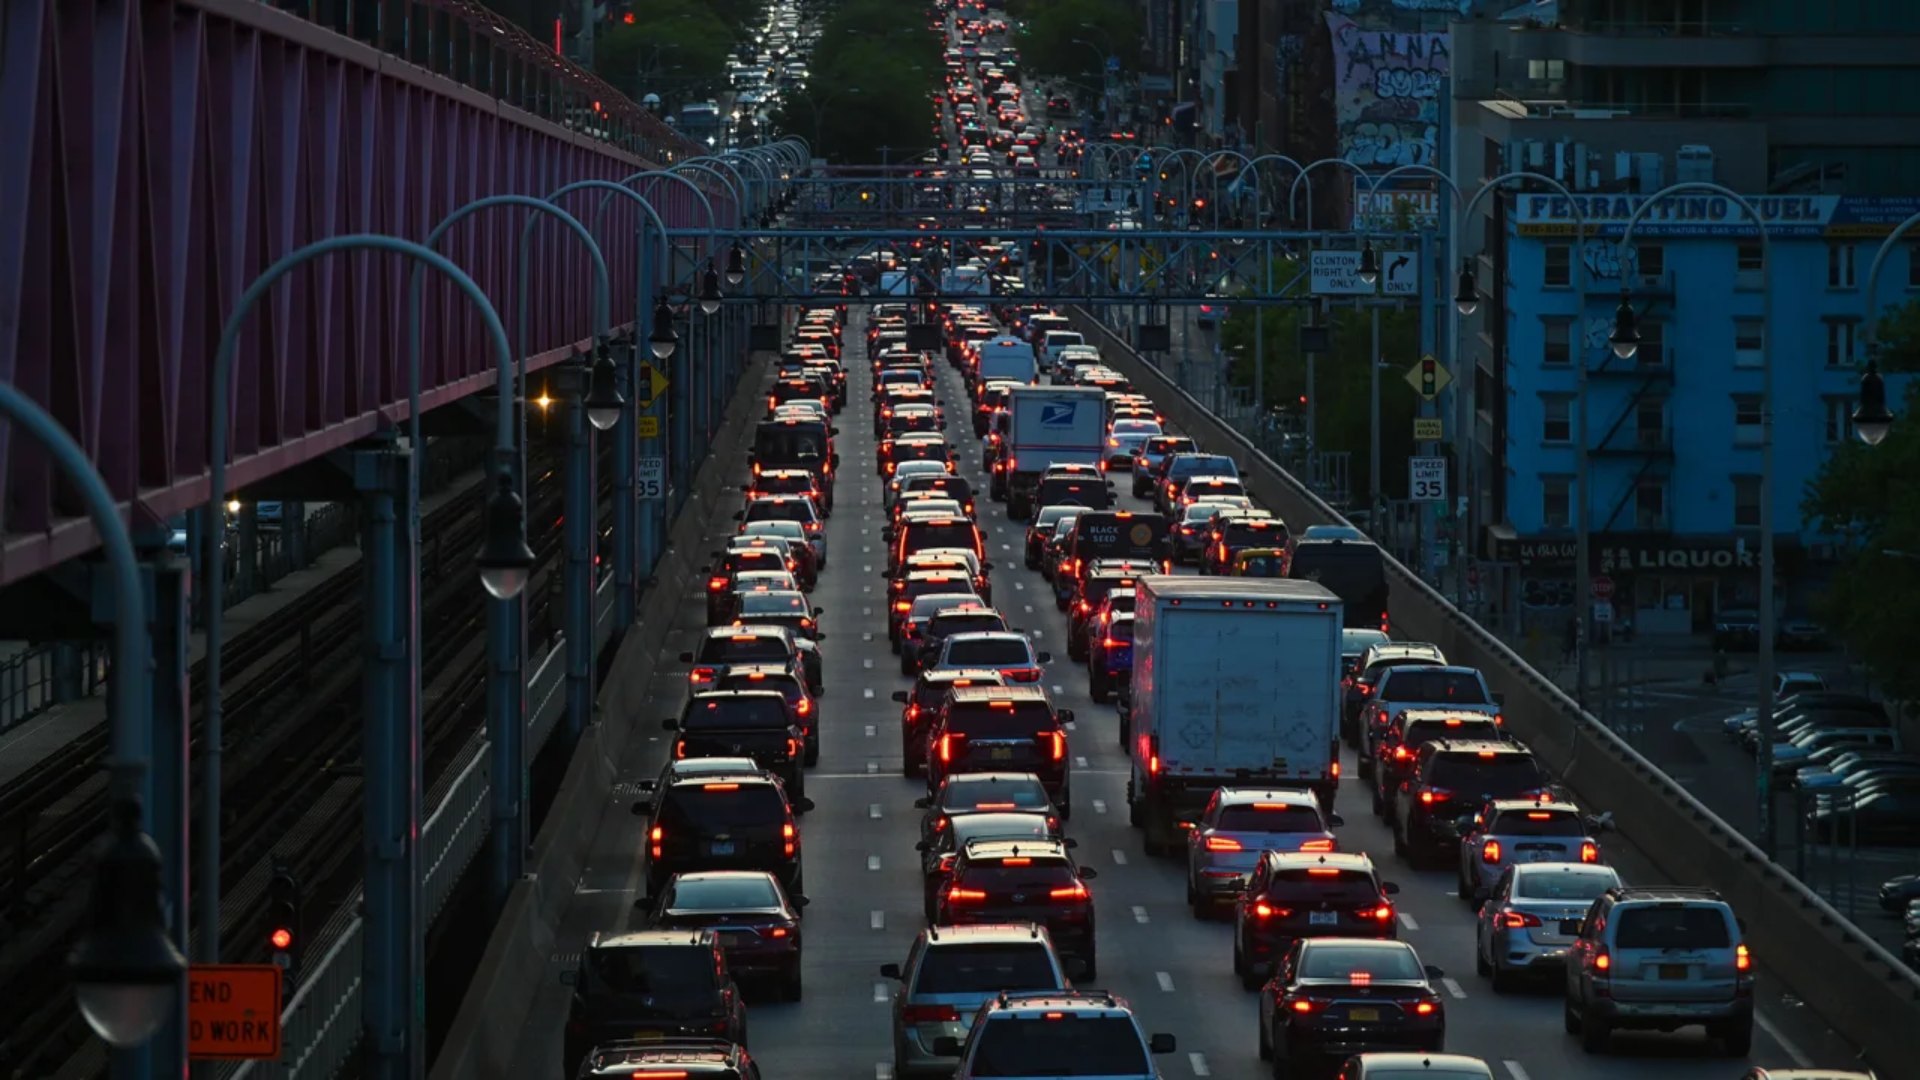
(233, 1012)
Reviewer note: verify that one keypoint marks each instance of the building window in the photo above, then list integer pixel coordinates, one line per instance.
(1558, 336)
(1650, 423)
(1653, 344)
(1650, 504)
(1913, 265)
(1559, 266)
(1839, 414)
(1746, 419)
(1556, 418)
(1546, 70)
(1749, 259)
(1556, 502)
(1748, 335)
(1746, 502)
(1840, 266)
(1650, 260)
(1839, 342)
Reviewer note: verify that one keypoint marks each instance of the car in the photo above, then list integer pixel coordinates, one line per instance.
(740, 822)
(1109, 655)
(1736, 629)
(1431, 809)
(800, 508)
(1053, 549)
(981, 793)
(756, 920)
(1232, 535)
(948, 621)
(1089, 591)
(916, 534)
(1514, 832)
(1257, 562)
(941, 588)
(1399, 747)
(786, 482)
(1148, 456)
(909, 470)
(721, 591)
(665, 984)
(778, 607)
(763, 724)
(1047, 1034)
(723, 647)
(1011, 654)
(1124, 437)
(1037, 880)
(679, 1058)
(1335, 997)
(1373, 661)
(1531, 917)
(937, 854)
(806, 566)
(950, 973)
(1291, 896)
(1660, 957)
(1400, 687)
(1392, 1065)
(1236, 827)
(997, 728)
(1041, 527)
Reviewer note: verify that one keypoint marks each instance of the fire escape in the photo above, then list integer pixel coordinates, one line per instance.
(1641, 430)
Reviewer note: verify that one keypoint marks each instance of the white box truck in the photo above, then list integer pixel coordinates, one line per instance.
(1236, 683)
(1006, 357)
(1048, 426)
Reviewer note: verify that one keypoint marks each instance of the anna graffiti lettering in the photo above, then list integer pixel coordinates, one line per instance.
(1386, 90)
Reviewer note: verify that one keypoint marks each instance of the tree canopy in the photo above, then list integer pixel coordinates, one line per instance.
(677, 49)
(1066, 38)
(1870, 496)
(870, 84)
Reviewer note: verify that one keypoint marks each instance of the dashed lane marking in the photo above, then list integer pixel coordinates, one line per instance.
(1139, 914)
(1408, 921)
(871, 730)
(1198, 1063)
(880, 993)
(877, 920)
(1165, 980)
(867, 692)
(873, 767)
(1099, 806)
(1515, 1070)
(873, 862)
(867, 663)
(1080, 763)
(867, 611)
(1119, 857)
(866, 635)
(874, 810)
(1453, 987)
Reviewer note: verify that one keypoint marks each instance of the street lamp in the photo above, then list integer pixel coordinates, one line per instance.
(1871, 419)
(1626, 330)
(662, 339)
(605, 403)
(1466, 297)
(1369, 265)
(709, 291)
(736, 266)
(126, 971)
(505, 560)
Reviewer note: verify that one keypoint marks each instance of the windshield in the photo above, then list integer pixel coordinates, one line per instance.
(722, 893)
(986, 969)
(1270, 817)
(1680, 926)
(721, 806)
(1498, 775)
(1048, 516)
(919, 535)
(1438, 687)
(1572, 885)
(1538, 823)
(1353, 572)
(780, 510)
(746, 649)
(782, 442)
(1345, 961)
(996, 794)
(1420, 733)
(734, 714)
(652, 969)
(925, 606)
(948, 625)
(773, 603)
(1336, 886)
(791, 530)
(1069, 1046)
(1202, 465)
(1000, 719)
(987, 652)
(999, 826)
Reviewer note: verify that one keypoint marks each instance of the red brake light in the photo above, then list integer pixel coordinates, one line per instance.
(1075, 891)
(1603, 962)
(1058, 742)
(1302, 1005)
(1518, 920)
(1742, 959)
(946, 749)
(1490, 852)
(958, 894)
(1401, 753)
(1264, 910)
(1426, 1008)
(1589, 852)
(789, 837)
(1383, 913)
(929, 1014)
(1318, 845)
(655, 840)
(716, 584)
(1223, 843)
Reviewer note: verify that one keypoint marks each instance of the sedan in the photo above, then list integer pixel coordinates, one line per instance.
(1533, 916)
(1336, 997)
(757, 922)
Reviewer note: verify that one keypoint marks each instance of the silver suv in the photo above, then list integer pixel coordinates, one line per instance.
(1039, 1036)
(1660, 957)
(950, 972)
(1514, 832)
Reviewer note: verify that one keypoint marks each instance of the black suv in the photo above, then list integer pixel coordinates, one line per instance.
(760, 724)
(660, 983)
(1406, 733)
(1451, 779)
(1002, 729)
(739, 822)
(1293, 895)
(923, 707)
(1033, 881)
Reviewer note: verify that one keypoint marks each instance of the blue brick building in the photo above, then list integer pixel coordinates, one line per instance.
(1673, 434)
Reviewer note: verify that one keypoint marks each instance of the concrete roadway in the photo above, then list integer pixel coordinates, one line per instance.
(863, 871)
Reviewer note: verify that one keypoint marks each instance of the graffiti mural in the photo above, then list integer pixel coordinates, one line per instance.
(1449, 7)
(1387, 88)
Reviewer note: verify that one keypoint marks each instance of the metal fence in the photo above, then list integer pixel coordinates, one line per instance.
(39, 677)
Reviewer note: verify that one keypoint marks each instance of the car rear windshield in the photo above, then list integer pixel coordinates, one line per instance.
(652, 969)
(1169, 444)
(947, 625)
(1000, 719)
(987, 652)
(1471, 774)
(1000, 795)
(746, 649)
(732, 891)
(1538, 823)
(1317, 884)
(757, 559)
(1080, 492)
(1439, 687)
(1013, 873)
(1421, 732)
(1203, 465)
(1354, 572)
(736, 714)
(1069, 1046)
(1247, 533)
(720, 805)
(779, 443)
(1372, 674)
(1120, 630)
(1674, 926)
(779, 510)
(985, 969)
(1573, 885)
(773, 603)
(1096, 589)
(1270, 817)
(920, 535)
(1342, 961)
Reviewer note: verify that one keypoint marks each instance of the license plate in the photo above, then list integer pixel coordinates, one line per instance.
(649, 1036)
(1673, 971)
(1001, 753)
(1364, 1016)
(721, 847)
(1570, 927)
(1323, 918)
(1538, 856)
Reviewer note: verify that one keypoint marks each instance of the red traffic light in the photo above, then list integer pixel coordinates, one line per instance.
(627, 18)
(282, 938)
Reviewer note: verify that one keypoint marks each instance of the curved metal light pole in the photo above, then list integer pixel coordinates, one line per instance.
(1763, 778)
(394, 952)
(1873, 270)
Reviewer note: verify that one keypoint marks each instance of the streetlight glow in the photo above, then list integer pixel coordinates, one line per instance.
(1466, 298)
(662, 339)
(1872, 421)
(605, 403)
(1626, 331)
(505, 560)
(1369, 264)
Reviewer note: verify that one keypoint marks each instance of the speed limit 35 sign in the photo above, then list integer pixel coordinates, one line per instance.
(1427, 479)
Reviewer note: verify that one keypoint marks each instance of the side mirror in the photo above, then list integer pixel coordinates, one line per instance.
(739, 515)
(923, 846)
(1499, 698)
(1742, 923)
(1071, 843)
(817, 612)
(799, 901)
(686, 658)
(923, 802)
(801, 805)
(986, 565)
(1435, 973)
(706, 568)
(1088, 873)
(1161, 1043)
(946, 1046)
(642, 807)
(900, 696)
(570, 978)
(1390, 888)
(1336, 820)
(1066, 716)
(671, 723)
(890, 971)
(645, 903)
(1045, 657)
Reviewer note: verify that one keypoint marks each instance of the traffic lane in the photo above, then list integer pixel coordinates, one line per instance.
(1523, 1029)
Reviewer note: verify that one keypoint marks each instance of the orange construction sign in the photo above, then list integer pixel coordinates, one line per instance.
(233, 1012)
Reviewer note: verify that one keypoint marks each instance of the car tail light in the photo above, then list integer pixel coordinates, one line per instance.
(1589, 851)
(1490, 852)
(1111, 643)
(929, 1014)
(701, 674)
(1223, 843)
(1401, 753)
(777, 932)
(1742, 959)
(1364, 687)
(1264, 910)
(679, 749)
(1318, 845)
(1380, 914)
(1518, 920)
(958, 895)
(1056, 744)
(1602, 962)
(948, 744)
(1075, 891)
(789, 838)
(1426, 1008)
(1431, 795)
(656, 839)
(715, 584)
(1335, 770)
(805, 708)
(1301, 1005)
(903, 605)
(793, 747)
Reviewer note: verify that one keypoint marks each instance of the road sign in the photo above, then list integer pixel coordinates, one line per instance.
(651, 477)
(1602, 587)
(649, 427)
(1399, 274)
(1337, 273)
(233, 1012)
(652, 383)
(1427, 479)
(1428, 429)
(1428, 378)
(1603, 611)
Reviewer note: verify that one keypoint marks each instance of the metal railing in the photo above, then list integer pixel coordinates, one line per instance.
(39, 677)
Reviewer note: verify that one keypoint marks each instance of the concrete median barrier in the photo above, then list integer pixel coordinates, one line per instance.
(1859, 988)
(518, 957)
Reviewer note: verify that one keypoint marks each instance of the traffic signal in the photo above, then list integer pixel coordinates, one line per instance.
(1429, 377)
(283, 917)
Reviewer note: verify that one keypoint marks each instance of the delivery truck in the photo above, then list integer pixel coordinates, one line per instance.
(1236, 683)
(1006, 357)
(1048, 426)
